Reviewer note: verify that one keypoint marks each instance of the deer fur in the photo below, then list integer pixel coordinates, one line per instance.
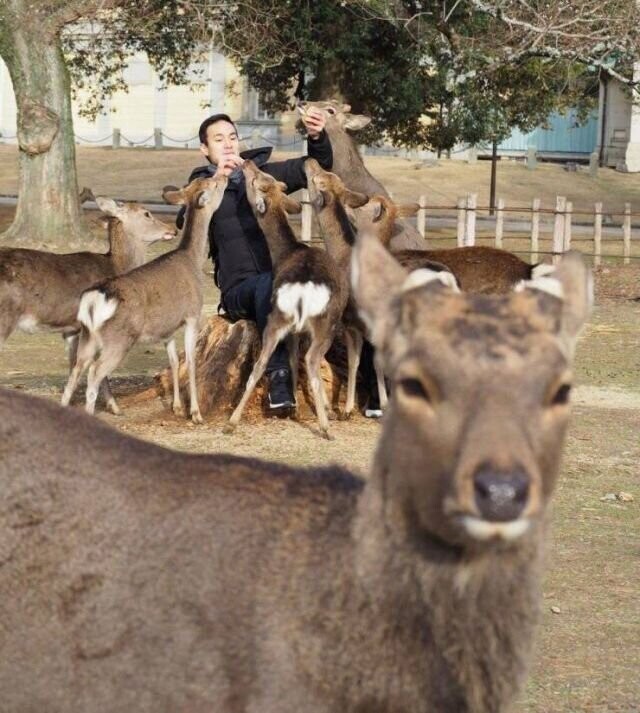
(477, 268)
(150, 303)
(135, 578)
(348, 163)
(331, 199)
(310, 292)
(41, 290)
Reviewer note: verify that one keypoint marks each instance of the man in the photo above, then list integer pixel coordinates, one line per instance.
(242, 264)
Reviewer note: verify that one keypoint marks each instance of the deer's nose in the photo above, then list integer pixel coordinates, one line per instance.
(500, 496)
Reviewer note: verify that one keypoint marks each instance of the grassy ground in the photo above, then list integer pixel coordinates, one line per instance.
(588, 654)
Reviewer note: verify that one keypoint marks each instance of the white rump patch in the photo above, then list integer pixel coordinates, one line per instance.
(95, 309)
(424, 276)
(28, 323)
(542, 279)
(302, 300)
(484, 530)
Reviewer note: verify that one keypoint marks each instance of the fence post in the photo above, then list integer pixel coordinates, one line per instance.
(472, 203)
(499, 222)
(535, 229)
(422, 215)
(594, 164)
(462, 221)
(558, 229)
(307, 217)
(626, 233)
(157, 138)
(597, 234)
(532, 160)
(116, 138)
(567, 225)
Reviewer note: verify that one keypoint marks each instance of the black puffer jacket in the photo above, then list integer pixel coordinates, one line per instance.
(237, 244)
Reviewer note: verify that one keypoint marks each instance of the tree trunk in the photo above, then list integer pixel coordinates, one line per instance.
(48, 212)
(225, 354)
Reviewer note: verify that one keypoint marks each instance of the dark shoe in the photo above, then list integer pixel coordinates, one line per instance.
(281, 390)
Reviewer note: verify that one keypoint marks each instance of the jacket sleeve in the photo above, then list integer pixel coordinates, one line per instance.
(292, 172)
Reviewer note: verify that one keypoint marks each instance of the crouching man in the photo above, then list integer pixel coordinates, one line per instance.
(238, 248)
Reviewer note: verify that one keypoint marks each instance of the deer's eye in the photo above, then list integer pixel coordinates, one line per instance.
(415, 389)
(147, 214)
(331, 110)
(561, 396)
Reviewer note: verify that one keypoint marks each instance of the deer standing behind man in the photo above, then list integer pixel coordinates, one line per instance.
(348, 163)
(166, 582)
(41, 290)
(310, 292)
(150, 304)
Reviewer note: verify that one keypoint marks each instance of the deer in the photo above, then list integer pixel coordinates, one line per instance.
(309, 293)
(167, 581)
(331, 200)
(348, 163)
(150, 304)
(41, 290)
(480, 269)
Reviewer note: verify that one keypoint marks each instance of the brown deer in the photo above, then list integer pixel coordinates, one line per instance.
(331, 199)
(150, 303)
(309, 292)
(348, 163)
(477, 268)
(134, 578)
(41, 290)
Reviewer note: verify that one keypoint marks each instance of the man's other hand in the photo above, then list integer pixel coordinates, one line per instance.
(228, 163)
(314, 122)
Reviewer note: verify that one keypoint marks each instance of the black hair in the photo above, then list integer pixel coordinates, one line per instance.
(202, 131)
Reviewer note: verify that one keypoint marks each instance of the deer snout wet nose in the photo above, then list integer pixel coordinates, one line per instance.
(500, 496)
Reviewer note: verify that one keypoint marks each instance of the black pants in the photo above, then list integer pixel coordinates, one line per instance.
(251, 299)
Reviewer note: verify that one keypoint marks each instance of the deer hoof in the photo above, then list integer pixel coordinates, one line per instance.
(328, 435)
(114, 408)
(345, 415)
(178, 410)
(228, 428)
(196, 418)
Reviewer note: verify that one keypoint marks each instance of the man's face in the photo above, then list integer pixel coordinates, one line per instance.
(222, 141)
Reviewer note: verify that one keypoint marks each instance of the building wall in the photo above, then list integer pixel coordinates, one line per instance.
(177, 110)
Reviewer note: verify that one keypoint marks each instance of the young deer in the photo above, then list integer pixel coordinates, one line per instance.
(40, 289)
(348, 163)
(330, 196)
(309, 292)
(150, 303)
(166, 582)
(476, 268)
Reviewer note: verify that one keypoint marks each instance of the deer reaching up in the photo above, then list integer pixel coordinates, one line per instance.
(150, 303)
(134, 578)
(309, 292)
(348, 163)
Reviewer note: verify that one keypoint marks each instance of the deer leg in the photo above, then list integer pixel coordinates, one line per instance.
(382, 387)
(313, 358)
(9, 318)
(190, 339)
(85, 352)
(294, 351)
(175, 363)
(274, 333)
(105, 364)
(109, 398)
(354, 347)
(71, 340)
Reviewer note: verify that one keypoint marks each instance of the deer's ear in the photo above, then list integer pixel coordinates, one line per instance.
(173, 195)
(376, 277)
(407, 209)
(261, 205)
(292, 206)
(108, 206)
(354, 199)
(355, 122)
(571, 282)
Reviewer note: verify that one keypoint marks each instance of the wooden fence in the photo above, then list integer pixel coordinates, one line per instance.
(559, 225)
